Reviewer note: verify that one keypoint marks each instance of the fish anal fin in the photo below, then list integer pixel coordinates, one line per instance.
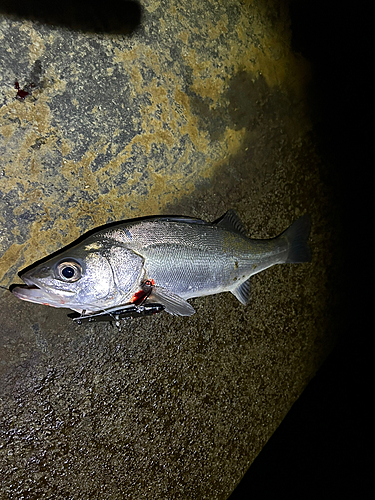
(242, 292)
(174, 304)
(232, 222)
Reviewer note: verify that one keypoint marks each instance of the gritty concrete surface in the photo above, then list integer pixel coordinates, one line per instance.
(201, 109)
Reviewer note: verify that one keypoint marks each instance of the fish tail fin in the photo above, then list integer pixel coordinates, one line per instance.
(297, 235)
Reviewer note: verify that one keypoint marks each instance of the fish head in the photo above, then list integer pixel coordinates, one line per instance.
(88, 277)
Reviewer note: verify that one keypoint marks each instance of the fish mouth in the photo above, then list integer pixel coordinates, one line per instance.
(33, 293)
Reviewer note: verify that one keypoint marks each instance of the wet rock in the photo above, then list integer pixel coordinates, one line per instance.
(199, 109)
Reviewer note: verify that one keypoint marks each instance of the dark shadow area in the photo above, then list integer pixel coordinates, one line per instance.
(122, 17)
(319, 450)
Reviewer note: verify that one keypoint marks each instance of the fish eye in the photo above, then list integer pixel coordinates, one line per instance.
(69, 271)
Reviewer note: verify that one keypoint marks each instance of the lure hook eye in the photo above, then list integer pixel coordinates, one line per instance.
(69, 271)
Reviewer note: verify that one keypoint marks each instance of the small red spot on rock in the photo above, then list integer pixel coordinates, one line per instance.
(21, 94)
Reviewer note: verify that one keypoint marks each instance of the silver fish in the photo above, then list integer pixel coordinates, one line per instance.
(179, 258)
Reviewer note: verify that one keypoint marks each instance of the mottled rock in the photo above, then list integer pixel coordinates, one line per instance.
(200, 109)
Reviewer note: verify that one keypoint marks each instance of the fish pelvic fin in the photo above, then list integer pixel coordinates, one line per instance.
(242, 292)
(297, 236)
(174, 304)
(232, 222)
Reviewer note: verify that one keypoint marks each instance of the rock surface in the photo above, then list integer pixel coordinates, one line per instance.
(201, 109)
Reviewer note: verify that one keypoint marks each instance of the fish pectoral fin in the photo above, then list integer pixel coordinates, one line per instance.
(242, 292)
(174, 304)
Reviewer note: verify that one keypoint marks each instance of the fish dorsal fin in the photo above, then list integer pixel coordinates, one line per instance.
(242, 292)
(232, 222)
(174, 304)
